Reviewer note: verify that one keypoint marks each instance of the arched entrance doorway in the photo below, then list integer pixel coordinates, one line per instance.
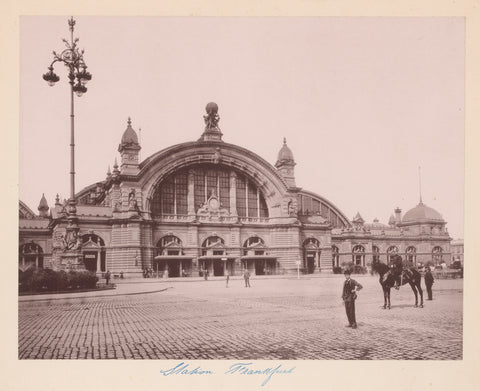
(411, 255)
(214, 259)
(358, 255)
(311, 255)
(170, 260)
(255, 257)
(391, 251)
(437, 255)
(335, 257)
(30, 255)
(94, 253)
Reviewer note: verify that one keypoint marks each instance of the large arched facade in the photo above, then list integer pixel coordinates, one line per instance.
(210, 207)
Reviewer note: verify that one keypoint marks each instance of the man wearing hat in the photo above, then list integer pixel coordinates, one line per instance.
(349, 294)
(429, 282)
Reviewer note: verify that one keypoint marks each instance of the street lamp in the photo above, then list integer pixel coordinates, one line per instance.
(78, 77)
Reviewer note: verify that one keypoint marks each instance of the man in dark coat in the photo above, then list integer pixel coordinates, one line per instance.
(429, 282)
(397, 269)
(349, 295)
(246, 277)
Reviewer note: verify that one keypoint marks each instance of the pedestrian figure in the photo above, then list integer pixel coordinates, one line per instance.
(107, 277)
(227, 277)
(429, 282)
(246, 276)
(206, 274)
(349, 295)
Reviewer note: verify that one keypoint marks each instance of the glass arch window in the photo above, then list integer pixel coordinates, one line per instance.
(171, 197)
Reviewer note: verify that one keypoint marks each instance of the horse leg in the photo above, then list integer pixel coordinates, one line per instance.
(388, 297)
(384, 297)
(414, 289)
(419, 287)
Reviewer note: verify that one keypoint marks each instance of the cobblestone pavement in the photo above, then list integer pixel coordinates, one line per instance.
(274, 319)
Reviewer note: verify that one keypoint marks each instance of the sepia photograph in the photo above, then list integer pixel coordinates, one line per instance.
(241, 188)
(240, 196)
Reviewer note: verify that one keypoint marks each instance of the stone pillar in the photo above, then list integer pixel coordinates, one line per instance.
(233, 194)
(191, 193)
(326, 260)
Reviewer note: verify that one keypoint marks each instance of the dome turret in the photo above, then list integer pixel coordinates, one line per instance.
(285, 155)
(422, 214)
(129, 137)
(129, 149)
(285, 164)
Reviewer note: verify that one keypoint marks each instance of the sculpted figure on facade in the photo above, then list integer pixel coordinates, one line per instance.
(212, 117)
(132, 200)
(217, 156)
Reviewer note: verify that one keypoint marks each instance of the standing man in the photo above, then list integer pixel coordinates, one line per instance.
(429, 282)
(107, 277)
(227, 276)
(246, 276)
(349, 295)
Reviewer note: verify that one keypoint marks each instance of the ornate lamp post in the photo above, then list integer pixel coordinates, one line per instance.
(78, 76)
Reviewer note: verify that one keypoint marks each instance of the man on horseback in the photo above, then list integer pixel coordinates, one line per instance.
(396, 268)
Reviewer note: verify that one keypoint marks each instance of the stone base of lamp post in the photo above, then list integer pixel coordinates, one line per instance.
(68, 260)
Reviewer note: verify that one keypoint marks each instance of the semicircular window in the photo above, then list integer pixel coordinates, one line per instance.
(188, 190)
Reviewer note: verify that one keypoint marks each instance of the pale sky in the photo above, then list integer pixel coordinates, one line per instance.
(363, 102)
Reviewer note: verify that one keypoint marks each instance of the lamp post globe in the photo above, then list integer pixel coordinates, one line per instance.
(78, 76)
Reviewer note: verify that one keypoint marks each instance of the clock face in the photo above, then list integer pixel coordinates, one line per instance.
(214, 204)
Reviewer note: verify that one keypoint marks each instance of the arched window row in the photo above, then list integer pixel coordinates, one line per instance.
(188, 190)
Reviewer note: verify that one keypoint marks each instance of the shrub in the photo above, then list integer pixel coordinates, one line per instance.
(38, 280)
(82, 279)
(337, 270)
(358, 269)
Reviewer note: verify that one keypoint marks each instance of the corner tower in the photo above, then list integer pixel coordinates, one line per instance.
(285, 164)
(129, 149)
(43, 207)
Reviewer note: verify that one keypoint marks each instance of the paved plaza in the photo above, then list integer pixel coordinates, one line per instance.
(277, 318)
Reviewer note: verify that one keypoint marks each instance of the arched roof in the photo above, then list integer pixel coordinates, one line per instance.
(329, 204)
(163, 163)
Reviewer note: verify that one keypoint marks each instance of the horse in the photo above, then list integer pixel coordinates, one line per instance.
(410, 275)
